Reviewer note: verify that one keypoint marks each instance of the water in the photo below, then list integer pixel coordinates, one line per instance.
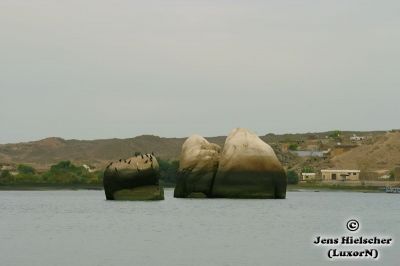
(58, 228)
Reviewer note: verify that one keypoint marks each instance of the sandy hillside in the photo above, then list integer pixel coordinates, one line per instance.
(382, 154)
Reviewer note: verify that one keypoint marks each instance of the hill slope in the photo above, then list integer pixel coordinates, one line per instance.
(43, 153)
(382, 153)
(48, 151)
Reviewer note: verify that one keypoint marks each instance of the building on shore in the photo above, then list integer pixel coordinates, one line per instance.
(307, 176)
(340, 175)
(356, 138)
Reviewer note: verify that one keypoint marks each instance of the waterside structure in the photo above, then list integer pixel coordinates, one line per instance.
(340, 175)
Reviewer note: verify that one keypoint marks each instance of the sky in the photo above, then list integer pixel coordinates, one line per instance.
(89, 69)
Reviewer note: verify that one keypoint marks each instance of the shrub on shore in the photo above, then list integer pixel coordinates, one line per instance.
(168, 171)
(293, 177)
(63, 173)
(66, 173)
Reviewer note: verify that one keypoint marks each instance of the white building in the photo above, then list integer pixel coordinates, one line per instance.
(356, 138)
(340, 175)
(307, 176)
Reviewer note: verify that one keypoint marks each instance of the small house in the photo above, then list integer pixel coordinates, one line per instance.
(356, 138)
(340, 175)
(307, 176)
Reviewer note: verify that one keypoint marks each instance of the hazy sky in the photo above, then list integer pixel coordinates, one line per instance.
(90, 69)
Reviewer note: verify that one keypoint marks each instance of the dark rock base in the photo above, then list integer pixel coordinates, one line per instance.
(140, 193)
(243, 185)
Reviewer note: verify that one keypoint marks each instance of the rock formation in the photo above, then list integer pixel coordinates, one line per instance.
(246, 168)
(197, 167)
(135, 178)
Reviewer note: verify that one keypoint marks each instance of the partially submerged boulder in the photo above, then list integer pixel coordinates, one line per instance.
(197, 167)
(135, 178)
(248, 168)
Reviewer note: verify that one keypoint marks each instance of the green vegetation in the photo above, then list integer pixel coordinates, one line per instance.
(5, 174)
(293, 177)
(293, 147)
(62, 174)
(335, 134)
(391, 175)
(168, 172)
(26, 169)
(66, 174)
(307, 169)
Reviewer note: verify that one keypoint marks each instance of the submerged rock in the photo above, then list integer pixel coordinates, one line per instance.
(197, 167)
(135, 178)
(248, 168)
(140, 193)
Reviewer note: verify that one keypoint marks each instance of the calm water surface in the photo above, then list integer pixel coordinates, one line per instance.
(81, 228)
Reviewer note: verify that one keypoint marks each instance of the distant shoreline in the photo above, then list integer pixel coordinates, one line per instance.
(327, 187)
(290, 188)
(49, 187)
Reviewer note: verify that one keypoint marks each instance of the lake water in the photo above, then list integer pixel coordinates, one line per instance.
(58, 228)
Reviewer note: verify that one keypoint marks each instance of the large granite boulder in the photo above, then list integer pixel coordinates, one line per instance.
(135, 178)
(197, 167)
(248, 168)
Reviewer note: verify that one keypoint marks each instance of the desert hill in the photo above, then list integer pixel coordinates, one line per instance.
(381, 150)
(43, 153)
(381, 154)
